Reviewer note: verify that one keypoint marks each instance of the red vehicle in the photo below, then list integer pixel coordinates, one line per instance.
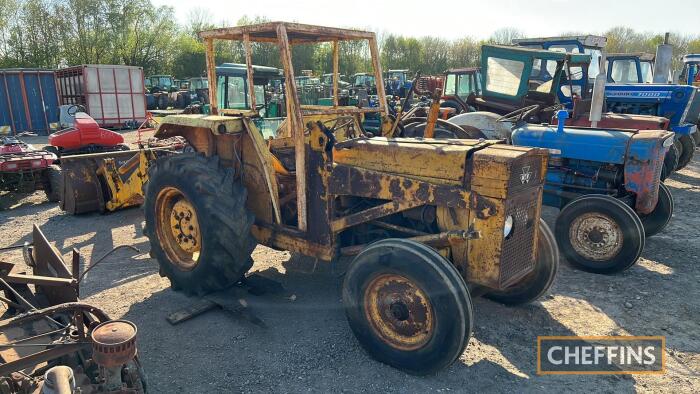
(25, 169)
(86, 136)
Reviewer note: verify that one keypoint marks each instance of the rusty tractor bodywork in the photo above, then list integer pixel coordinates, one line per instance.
(422, 216)
(50, 341)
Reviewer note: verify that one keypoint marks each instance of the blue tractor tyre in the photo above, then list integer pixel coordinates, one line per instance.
(659, 218)
(600, 234)
(535, 284)
(688, 149)
(696, 137)
(670, 161)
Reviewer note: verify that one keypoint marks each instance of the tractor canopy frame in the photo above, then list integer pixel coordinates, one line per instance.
(285, 35)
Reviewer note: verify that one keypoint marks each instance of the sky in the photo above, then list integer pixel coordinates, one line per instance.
(459, 18)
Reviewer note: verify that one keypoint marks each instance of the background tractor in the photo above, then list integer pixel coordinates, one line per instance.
(164, 92)
(680, 104)
(422, 217)
(605, 181)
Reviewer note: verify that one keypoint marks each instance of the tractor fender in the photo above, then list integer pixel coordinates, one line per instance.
(643, 165)
(487, 122)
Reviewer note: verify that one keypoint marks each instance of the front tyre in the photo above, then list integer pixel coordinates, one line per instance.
(197, 223)
(687, 151)
(536, 283)
(408, 306)
(53, 183)
(599, 234)
(659, 218)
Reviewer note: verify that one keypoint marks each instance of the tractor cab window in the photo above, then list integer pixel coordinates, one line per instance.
(450, 82)
(541, 77)
(503, 76)
(647, 70)
(624, 71)
(594, 66)
(466, 85)
(572, 74)
(231, 92)
(165, 82)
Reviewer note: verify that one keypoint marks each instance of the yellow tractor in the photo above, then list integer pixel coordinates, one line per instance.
(429, 221)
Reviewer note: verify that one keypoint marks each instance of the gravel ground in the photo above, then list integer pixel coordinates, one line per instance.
(307, 345)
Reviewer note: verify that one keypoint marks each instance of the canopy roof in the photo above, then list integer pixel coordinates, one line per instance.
(521, 52)
(297, 33)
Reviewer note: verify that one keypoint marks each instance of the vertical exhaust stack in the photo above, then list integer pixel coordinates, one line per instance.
(663, 61)
(598, 98)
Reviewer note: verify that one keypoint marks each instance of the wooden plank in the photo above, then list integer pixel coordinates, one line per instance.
(376, 64)
(336, 74)
(295, 123)
(263, 31)
(191, 311)
(249, 66)
(211, 75)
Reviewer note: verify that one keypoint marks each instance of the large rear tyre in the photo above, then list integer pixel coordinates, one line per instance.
(670, 161)
(599, 234)
(197, 223)
(659, 218)
(536, 283)
(687, 152)
(696, 137)
(163, 101)
(53, 183)
(408, 306)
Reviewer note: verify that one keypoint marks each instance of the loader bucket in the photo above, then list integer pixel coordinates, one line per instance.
(83, 189)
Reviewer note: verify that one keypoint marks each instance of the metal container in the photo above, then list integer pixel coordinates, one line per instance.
(113, 95)
(28, 101)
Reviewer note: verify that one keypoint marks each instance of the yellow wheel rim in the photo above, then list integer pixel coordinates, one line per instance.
(177, 228)
(399, 312)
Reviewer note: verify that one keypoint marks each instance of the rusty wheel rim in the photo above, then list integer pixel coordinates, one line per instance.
(399, 312)
(596, 236)
(177, 228)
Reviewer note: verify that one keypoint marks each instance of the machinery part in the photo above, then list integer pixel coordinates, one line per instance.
(536, 283)
(163, 101)
(197, 223)
(520, 114)
(114, 343)
(696, 137)
(658, 219)
(53, 183)
(670, 161)
(599, 234)
(408, 306)
(687, 151)
(59, 380)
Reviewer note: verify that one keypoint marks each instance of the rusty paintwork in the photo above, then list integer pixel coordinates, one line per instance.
(102, 182)
(399, 311)
(645, 159)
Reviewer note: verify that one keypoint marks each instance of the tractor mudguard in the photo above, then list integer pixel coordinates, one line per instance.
(643, 167)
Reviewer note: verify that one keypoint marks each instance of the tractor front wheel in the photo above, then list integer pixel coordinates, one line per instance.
(659, 218)
(197, 223)
(687, 151)
(670, 161)
(53, 183)
(599, 234)
(536, 283)
(696, 137)
(408, 306)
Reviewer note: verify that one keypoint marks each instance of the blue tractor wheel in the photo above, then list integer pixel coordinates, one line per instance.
(599, 234)
(659, 218)
(688, 149)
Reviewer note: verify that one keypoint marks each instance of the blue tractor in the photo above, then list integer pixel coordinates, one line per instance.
(679, 103)
(605, 181)
(397, 83)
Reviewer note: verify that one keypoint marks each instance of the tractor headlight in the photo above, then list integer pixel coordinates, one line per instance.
(508, 226)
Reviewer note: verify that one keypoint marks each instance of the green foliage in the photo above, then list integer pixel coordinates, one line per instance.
(57, 33)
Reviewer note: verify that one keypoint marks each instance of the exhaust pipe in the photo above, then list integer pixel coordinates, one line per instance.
(663, 61)
(598, 98)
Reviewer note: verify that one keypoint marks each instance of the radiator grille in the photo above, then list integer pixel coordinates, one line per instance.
(525, 173)
(517, 250)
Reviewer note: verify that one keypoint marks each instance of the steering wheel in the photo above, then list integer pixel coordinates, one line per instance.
(519, 114)
(73, 109)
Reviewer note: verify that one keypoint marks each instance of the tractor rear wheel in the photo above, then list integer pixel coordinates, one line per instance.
(599, 234)
(696, 137)
(536, 283)
(687, 152)
(163, 101)
(408, 306)
(670, 161)
(659, 218)
(53, 183)
(197, 223)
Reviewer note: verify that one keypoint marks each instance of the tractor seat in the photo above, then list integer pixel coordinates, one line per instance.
(85, 122)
